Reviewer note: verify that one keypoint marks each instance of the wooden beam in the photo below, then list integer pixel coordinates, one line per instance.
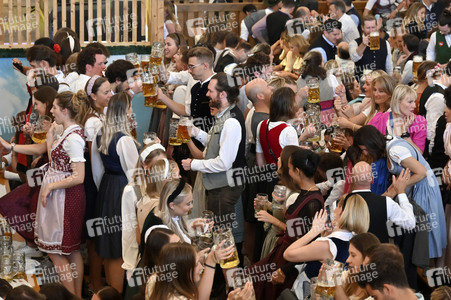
(157, 20)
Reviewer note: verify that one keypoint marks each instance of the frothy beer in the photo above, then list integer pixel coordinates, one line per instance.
(313, 95)
(183, 134)
(417, 60)
(326, 290)
(374, 41)
(156, 60)
(39, 137)
(231, 262)
(149, 89)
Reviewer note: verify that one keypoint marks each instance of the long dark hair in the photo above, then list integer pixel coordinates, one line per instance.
(306, 161)
(56, 291)
(285, 178)
(372, 139)
(155, 241)
(312, 66)
(180, 258)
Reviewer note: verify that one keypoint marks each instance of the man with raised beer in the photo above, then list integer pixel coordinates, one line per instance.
(370, 52)
(200, 69)
(225, 143)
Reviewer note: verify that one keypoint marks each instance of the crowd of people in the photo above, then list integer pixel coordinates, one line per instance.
(366, 183)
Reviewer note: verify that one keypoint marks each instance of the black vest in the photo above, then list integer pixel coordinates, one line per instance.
(200, 108)
(377, 205)
(372, 59)
(437, 158)
(240, 160)
(321, 43)
(428, 91)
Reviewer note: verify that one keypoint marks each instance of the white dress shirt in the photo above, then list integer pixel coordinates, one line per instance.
(430, 51)
(288, 136)
(348, 28)
(435, 106)
(229, 143)
(356, 57)
(401, 214)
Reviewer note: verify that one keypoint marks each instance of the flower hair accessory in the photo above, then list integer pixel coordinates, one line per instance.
(438, 67)
(56, 48)
(71, 42)
(91, 84)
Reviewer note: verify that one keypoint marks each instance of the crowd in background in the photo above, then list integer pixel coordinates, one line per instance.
(367, 182)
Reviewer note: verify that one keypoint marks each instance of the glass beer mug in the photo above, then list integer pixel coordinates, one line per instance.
(173, 128)
(417, 60)
(220, 235)
(374, 41)
(133, 58)
(333, 145)
(40, 132)
(313, 90)
(156, 56)
(330, 271)
(313, 116)
(185, 125)
(145, 62)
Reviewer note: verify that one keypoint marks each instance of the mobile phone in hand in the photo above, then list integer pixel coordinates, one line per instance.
(18, 66)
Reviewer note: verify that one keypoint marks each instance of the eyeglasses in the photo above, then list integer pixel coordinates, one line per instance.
(191, 67)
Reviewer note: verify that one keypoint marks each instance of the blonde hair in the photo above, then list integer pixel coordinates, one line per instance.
(412, 13)
(163, 206)
(399, 94)
(116, 120)
(299, 41)
(388, 85)
(355, 216)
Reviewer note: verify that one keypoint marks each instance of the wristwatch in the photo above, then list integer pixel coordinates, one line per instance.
(405, 135)
(12, 146)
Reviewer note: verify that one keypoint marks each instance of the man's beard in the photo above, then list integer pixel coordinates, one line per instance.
(215, 103)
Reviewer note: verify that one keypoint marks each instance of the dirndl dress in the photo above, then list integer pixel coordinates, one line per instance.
(59, 225)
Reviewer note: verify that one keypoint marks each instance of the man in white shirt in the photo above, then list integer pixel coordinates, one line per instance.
(439, 48)
(225, 147)
(337, 11)
(384, 212)
(91, 61)
(364, 57)
(255, 17)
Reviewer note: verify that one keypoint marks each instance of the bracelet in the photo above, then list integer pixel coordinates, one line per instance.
(208, 266)
(12, 146)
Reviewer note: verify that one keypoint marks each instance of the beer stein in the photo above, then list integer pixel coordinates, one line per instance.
(133, 58)
(185, 125)
(156, 56)
(239, 279)
(313, 116)
(278, 197)
(417, 60)
(40, 131)
(374, 41)
(333, 145)
(313, 90)
(173, 126)
(208, 217)
(149, 137)
(220, 235)
(18, 265)
(326, 285)
(260, 203)
(145, 62)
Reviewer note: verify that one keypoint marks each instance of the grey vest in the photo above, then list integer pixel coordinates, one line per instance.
(253, 18)
(216, 180)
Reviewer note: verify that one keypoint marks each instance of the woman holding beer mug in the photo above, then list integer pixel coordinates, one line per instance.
(402, 121)
(176, 201)
(350, 216)
(23, 200)
(383, 87)
(359, 246)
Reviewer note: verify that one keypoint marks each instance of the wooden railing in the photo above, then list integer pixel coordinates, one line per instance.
(116, 22)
